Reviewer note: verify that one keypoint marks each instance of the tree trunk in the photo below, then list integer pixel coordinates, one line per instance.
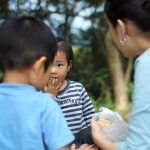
(4, 9)
(116, 71)
(128, 70)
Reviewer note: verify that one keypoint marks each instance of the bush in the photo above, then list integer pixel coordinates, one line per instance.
(1, 76)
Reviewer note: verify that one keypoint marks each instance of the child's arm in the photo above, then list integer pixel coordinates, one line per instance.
(52, 87)
(55, 131)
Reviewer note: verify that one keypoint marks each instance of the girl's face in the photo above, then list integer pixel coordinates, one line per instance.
(60, 67)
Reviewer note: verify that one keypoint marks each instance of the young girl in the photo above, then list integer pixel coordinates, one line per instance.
(70, 95)
(129, 27)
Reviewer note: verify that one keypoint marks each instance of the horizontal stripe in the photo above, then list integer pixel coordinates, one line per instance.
(76, 106)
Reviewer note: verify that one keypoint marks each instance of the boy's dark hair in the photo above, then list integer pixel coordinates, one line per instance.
(137, 11)
(23, 40)
(65, 47)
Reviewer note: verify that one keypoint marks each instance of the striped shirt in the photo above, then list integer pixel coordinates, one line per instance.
(76, 106)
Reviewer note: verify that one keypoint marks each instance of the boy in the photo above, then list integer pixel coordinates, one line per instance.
(70, 95)
(29, 119)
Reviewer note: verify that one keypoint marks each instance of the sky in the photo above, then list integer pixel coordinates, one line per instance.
(77, 23)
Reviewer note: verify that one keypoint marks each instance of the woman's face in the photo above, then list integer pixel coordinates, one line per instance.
(116, 34)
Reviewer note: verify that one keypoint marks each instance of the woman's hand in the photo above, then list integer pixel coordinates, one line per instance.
(100, 138)
(96, 130)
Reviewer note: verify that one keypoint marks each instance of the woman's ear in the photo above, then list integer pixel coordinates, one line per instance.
(39, 65)
(70, 65)
(121, 28)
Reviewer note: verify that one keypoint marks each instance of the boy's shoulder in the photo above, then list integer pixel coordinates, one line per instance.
(24, 92)
(44, 98)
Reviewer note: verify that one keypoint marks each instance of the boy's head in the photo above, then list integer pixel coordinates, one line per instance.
(63, 60)
(24, 40)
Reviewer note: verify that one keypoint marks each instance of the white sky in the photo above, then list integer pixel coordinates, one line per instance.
(78, 22)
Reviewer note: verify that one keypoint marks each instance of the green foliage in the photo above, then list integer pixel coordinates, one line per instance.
(1, 76)
(90, 63)
(104, 103)
(94, 80)
(130, 90)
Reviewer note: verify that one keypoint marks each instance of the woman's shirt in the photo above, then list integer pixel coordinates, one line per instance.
(139, 122)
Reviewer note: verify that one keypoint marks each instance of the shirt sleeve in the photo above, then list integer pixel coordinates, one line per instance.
(88, 108)
(56, 133)
(139, 123)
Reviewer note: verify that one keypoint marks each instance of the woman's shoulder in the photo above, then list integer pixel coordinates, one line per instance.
(143, 59)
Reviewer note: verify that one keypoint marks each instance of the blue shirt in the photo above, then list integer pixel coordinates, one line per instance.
(30, 120)
(139, 122)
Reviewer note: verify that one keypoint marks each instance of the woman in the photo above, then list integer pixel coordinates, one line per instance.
(129, 27)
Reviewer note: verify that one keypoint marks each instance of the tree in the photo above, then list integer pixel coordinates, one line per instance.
(93, 58)
(117, 75)
(4, 10)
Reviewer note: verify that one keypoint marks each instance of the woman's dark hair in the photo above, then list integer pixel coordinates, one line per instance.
(23, 40)
(65, 47)
(137, 11)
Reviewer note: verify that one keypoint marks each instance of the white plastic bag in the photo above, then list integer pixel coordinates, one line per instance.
(117, 128)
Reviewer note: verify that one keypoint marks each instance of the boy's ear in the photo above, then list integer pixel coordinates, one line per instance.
(70, 65)
(38, 64)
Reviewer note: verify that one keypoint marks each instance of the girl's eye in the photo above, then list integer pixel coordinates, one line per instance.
(59, 65)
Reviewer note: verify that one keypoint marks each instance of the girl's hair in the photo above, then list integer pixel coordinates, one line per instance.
(137, 11)
(65, 47)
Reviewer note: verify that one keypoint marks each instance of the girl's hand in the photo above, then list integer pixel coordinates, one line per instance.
(52, 87)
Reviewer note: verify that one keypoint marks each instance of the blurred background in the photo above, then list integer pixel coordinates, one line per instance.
(105, 73)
